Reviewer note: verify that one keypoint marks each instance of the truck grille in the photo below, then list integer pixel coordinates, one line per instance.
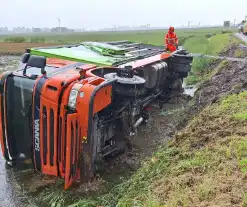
(48, 137)
(72, 143)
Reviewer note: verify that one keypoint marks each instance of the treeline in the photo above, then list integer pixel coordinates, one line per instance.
(36, 39)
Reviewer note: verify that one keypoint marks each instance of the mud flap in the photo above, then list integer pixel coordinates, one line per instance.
(72, 150)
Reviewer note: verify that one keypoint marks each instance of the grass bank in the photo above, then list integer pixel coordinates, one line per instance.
(204, 165)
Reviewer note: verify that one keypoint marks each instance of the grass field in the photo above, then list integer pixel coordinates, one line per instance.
(152, 36)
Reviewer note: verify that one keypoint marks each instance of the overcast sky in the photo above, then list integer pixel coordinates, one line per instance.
(106, 13)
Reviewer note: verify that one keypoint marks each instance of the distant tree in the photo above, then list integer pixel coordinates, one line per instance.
(15, 39)
(37, 39)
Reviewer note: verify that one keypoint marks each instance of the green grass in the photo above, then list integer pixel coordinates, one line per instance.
(207, 46)
(15, 39)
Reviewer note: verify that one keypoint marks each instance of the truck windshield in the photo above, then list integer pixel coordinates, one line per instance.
(19, 92)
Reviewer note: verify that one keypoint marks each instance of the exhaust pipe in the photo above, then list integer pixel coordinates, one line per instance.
(138, 122)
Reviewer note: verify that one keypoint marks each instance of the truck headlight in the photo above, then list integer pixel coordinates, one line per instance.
(72, 98)
(73, 95)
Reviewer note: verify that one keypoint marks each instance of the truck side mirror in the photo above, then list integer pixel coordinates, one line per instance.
(25, 57)
(37, 62)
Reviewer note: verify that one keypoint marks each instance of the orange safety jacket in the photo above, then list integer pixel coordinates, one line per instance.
(171, 38)
(171, 41)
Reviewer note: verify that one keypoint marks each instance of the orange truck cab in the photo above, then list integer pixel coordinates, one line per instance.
(66, 112)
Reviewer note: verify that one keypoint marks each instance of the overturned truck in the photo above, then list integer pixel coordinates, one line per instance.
(68, 108)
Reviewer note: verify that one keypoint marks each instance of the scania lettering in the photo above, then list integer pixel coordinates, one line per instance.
(36, 131)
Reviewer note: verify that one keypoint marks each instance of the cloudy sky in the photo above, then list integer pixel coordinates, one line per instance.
(106, 13)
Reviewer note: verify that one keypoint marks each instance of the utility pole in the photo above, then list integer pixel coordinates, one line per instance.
(147, 28)
(59, 24)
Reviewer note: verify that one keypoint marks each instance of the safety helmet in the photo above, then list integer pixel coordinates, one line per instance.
(171, 29)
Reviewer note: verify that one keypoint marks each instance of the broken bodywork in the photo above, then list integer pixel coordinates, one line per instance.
(67, 109)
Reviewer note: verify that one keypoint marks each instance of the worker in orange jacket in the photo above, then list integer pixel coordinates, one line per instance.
(171, 40)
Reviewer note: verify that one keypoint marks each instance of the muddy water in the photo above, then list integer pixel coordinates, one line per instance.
(16, 186)
(190, 90)
(11, 192)
(7, 195)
